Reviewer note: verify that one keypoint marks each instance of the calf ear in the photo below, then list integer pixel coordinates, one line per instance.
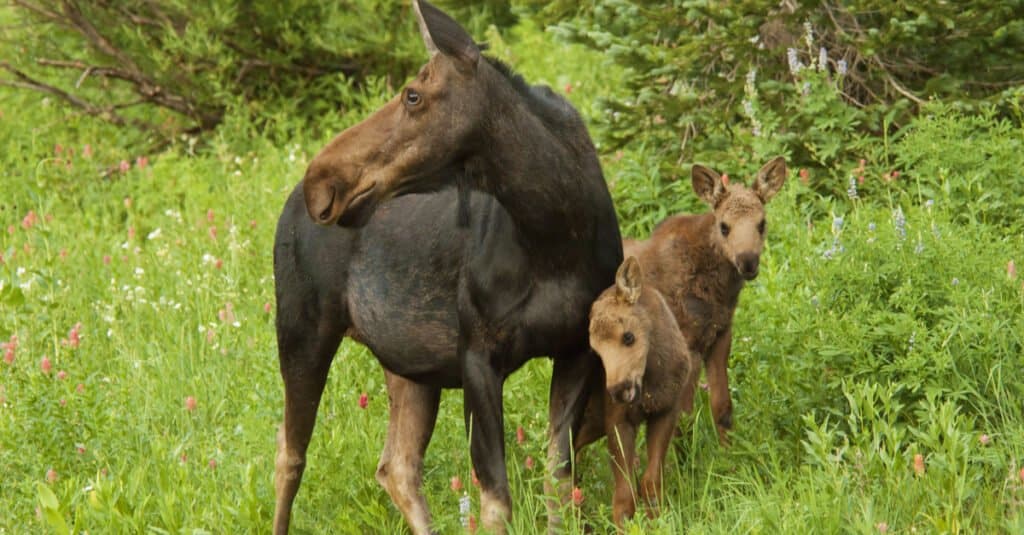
(628, 281)
(442, 34)
(770, 178)
(707, 184)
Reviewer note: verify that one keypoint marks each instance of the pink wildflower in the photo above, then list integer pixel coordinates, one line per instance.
(267, 307)
(919, 464)
(61, 375)
(58, 149)
(190, 403)
(80, 388)
(252, 223)
(141, 162)
(882, 527)
(577, 496)
(212, 464)
(210, 215)
(212, 231)
(456, 484)
(124, 166)
(62, 402)
(364, 400)
(529, 462)
(45, 364)
(106, 259)
(725, 179)
(131, 233)
(51, 475)
(218, 263)
(29, 220)
(184, 458)
(984, 439)
(80, 448)
(9, 349)
(472, 524)
(520, 434)
(568, 88)
(74, 336)
(805, 175)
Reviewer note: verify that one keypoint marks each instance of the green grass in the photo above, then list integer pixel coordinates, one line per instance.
(832, 398)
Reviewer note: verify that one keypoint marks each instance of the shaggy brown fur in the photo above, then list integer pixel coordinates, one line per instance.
(700, 262)
(646, 365)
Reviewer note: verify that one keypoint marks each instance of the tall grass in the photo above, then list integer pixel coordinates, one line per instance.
(865, 343)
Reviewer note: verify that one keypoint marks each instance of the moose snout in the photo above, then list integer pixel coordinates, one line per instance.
(747, 264)
(625, 392)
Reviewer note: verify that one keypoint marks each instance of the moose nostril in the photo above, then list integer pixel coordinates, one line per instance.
(326, 213)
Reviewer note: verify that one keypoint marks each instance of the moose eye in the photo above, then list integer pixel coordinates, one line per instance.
(760, 227)
(412, 98)
(724, 228)
(628, 339)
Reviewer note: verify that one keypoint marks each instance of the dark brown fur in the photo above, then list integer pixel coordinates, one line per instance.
(644, 374)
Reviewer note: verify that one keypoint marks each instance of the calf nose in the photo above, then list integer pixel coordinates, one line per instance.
(625, 392)
(747, 263)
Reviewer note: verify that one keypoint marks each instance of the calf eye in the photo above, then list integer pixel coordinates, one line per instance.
(412, 98)
(724, 228)
(760, 227)
(628, 339)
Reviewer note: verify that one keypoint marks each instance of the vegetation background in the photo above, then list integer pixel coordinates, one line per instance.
(147, 147)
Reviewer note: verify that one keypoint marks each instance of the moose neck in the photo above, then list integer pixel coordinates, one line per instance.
(543, 170)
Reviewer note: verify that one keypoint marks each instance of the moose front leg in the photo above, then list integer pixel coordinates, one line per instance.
(412, 413)
(716, 368)
(482, 388)
(571, 380)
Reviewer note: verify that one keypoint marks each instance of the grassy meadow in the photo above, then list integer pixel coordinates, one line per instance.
(876, 368)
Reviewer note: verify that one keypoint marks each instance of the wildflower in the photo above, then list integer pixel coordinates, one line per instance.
(841, 67)
(808, 34)
(473, 478)
(212, 464)
(74, 336)
(190, 403)
(210, 215)
(577, 496)
(80, 448)
(456, 484)
(252, 223)
(520, 434)
(62, 402)
(29, 220)
(919, 247)
(45, 365)
(1011, 269)
(464, 508)
(984, 439)
(882, 527)
(704, 386)
(58, 149)
(267, 307)
(184, 458)
(794, 62)
(822, 58)
(212, 232)
(910, 343)
(919, 464)
(837, 224)
(364, 400)
(124, 166)
(218, 263)
(51, 475)
(929, 203)
(107, 259)
(529, 462)
(141, 162)
(9, 349)
(62, 375)
(471, 524)
(80, 388)
(725, 179)
(955, 281)
(805, 175)
(851, 190)
(871, 227)
(1022, 475)
(900, 223)
(568, 88)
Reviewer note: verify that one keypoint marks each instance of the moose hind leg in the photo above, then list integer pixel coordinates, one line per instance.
(306, 355)
(412, 413)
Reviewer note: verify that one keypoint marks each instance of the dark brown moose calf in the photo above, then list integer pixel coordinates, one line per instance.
(700, 263)
(646, 366)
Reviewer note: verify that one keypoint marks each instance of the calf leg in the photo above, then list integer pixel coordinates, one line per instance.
(412, 413)
(660, 430)
(716, 368)
(622, 449)
(305, 352)
(572, 377)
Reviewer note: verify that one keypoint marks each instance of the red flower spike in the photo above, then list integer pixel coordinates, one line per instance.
(919, 464)
(364, 400)
(577, 496)
(520, 434)
(456, 484)
(45, 365)
(51, 475)
(191, 403)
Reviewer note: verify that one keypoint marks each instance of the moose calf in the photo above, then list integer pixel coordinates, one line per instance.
(700, 263)
(646, 366)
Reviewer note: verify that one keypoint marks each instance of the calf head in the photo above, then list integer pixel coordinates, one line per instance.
(405, 145)
(620, 330)
(739, 212)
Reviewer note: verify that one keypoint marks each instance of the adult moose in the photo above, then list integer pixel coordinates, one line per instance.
(448, 289)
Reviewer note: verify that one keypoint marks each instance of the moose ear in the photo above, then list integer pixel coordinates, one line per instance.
(707, 184)
(770, 178)
(628, 281)
(442, 34)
